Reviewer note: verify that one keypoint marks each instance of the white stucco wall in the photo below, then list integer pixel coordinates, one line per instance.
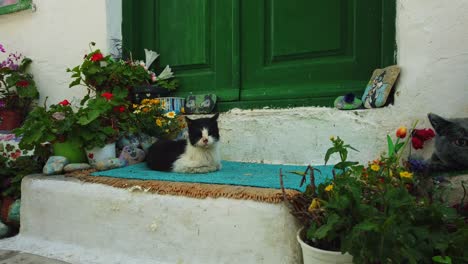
(432, 52)
(56, 37)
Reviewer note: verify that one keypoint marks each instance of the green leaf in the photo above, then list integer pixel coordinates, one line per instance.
(75, 82)
(442, 260)
(399, 146)
(367, 226)
(344, 164)
(301, 173)
(391, 147)
(323, 230)
(349, 146)
(330, 151)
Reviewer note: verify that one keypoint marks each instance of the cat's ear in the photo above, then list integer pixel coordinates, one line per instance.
(438, 123)
(215, 117)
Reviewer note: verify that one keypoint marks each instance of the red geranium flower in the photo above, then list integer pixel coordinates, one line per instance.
(107, 95)
(424, 134)
(22, 83)
(119, 109)
(97, 56)
(64, 103)
(417, 143)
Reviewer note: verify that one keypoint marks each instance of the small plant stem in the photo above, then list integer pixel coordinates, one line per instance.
(282, 184)
(312, 180)
(406, 141)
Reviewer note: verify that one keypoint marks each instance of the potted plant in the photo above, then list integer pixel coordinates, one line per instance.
(102, 119)
(17, 90)
(375, 213)
(153, 120)
(57, 125)
(104, 73)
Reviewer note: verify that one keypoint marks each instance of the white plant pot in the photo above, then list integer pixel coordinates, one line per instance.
(313, 255)
(101, 154)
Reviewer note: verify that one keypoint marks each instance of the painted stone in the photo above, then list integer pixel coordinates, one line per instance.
(132, 155)
(101, 154)
(76, 166)
(14, 212)
(109, 164)
(380, 86)
(146, 141)
(348, 102)
(54, 165)
(129, 140)
(4, 229)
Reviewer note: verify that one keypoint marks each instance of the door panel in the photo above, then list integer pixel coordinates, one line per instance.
(305, 48)
(197, 38)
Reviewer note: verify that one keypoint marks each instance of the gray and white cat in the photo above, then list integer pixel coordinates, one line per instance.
(451, 144)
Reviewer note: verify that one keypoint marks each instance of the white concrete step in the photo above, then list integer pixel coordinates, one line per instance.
(91, 223)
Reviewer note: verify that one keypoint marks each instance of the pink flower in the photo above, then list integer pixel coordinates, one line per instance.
(2, 49)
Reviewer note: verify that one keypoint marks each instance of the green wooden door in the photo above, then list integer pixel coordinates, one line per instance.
(198, 38)
(304, 49)
(253, 53)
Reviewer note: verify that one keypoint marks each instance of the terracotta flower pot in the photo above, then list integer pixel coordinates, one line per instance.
(312, 255)
(10, 119)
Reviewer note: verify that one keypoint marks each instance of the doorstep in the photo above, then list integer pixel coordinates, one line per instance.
(82, 222)
(15, 257)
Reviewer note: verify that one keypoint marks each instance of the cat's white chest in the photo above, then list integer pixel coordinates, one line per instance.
(198, 160)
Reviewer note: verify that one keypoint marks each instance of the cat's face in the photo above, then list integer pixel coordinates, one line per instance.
(203, 132)
(452, 139)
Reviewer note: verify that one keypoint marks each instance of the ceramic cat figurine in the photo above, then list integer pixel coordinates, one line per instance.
(196, 154)
(451, 144)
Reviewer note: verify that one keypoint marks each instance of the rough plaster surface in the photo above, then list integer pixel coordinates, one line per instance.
(56, 37)
(432, 53)
(93, 222)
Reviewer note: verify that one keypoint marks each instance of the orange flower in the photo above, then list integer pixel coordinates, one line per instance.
(401, 132)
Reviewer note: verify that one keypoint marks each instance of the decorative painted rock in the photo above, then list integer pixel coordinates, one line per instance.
(4, 229)
(146, 141)
(348, 102)
(54, 165)
(129, 140)
(14, 212)
(109, 164)
(380, 86)
(76, 166)
(132, 155)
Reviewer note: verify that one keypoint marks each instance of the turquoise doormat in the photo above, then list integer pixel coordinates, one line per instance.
(232, 173)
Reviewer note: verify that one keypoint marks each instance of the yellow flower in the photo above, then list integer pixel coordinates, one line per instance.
(315, 204)
(171, 114)
(332, 138)
(406, 174)
(135, 105)
(182, 110)
(375, 167)
(329, 188)
(158, 122)
(136, 111)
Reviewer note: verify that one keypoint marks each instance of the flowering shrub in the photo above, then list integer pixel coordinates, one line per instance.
(55, 124)
(103, 73)
(376, 213)
(17, 86)
(153, 120)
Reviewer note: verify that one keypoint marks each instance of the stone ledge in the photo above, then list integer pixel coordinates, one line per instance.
(152, 227)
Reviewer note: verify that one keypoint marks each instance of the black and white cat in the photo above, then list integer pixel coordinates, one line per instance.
(197, 154)
(451, 144)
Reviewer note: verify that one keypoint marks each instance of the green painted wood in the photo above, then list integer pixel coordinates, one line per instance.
(265, 51)
(18, 6)
(340, 45)
(197, 38)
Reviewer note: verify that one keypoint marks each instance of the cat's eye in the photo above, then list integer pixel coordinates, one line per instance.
(461, 142)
